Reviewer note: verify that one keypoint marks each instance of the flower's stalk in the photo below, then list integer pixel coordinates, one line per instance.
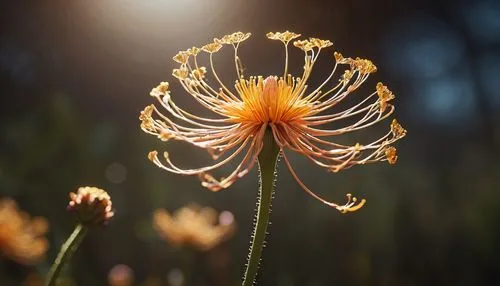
(67, 249)
(268, 158)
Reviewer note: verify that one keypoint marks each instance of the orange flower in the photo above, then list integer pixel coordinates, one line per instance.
(92, 205)
(194, 226)
(21, 237)
(296, 114)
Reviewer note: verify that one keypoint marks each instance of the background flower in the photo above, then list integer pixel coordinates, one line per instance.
(21, 237)
(193, 226)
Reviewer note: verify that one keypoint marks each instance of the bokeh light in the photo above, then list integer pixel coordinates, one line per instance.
(447, 100)
(482, 18)
(175, 277)
(116, 173)
(428, 46)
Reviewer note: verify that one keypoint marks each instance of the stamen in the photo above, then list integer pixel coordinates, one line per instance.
(219, 81)
(212, 47)
(397, 130)
(348, 207)
(390, 153)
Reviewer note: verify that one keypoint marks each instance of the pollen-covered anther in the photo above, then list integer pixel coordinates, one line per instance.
(193, 51)
(390, 154)
(363, 66)
(147, 122)
(147, 112)
(346, 76)
(92, 205)
(165, 135)
(148, 125)
(182, 57)
(212, 47)
(384, 95)
(358, 148)
(339, 58)
(181, 73)
(153, 156)
(160, 90)
(319, 43)
(351, 205)
(199, 73)
(397, 130)
(234, 38)
(284, 37)
(226, 39)
(304, 45)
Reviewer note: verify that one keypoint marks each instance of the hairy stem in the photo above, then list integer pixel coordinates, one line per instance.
(67, 249)
(268, 158)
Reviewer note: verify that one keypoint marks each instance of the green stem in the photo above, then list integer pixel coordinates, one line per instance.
(189, 259)
(268, 158)
(67, 249)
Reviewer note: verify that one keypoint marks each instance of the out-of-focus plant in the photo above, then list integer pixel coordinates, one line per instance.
(195, 230)
(194, 226)
(21, 238)
(93, 207)
(267, 116)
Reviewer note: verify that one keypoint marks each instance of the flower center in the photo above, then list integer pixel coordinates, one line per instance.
(268, 100)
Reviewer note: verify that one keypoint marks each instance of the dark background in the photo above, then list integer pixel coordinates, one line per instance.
(74, 76)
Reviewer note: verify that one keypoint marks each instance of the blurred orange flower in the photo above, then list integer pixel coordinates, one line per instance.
(194, 226)
(92, 205)
(300, 118)
(21, 238)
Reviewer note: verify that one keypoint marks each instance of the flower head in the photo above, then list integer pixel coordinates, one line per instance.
(92, 205)
(194, 226)
(21, 238)
(299, 116)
